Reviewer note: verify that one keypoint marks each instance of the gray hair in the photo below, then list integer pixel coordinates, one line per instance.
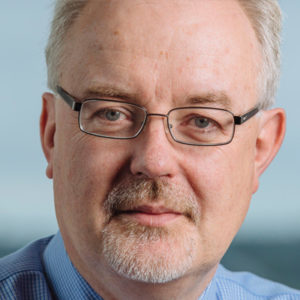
(265, 17)
(66, 12)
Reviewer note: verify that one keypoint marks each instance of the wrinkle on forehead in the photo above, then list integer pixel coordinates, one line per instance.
(158, 28)
(176, 37)
(123, 27)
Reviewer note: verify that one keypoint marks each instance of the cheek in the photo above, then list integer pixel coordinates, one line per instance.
(220, 169)
(222, 180)
(84, 171)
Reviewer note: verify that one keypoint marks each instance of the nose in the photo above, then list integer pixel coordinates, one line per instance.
(153, 151)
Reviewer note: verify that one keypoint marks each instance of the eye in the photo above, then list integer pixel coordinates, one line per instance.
(202, 122)
(112, 115)
(198, 122)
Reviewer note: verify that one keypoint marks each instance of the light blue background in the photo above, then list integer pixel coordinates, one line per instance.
(26, 205)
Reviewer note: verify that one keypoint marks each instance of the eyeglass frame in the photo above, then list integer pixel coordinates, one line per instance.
(76, 106)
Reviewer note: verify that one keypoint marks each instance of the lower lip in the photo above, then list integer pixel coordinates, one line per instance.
(155, 220)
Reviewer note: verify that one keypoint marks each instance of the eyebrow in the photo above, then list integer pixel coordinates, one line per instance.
(213, 98)
(109, 91)
(219, 98)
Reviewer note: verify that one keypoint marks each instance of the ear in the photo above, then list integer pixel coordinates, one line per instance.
(269, 140)
(47, 130)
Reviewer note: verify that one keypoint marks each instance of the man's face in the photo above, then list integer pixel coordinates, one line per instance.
(149, 208)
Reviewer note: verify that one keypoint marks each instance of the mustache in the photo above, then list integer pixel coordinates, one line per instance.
(132, 193)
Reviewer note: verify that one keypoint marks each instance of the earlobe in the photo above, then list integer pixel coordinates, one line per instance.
(269, 140)
(47, 130)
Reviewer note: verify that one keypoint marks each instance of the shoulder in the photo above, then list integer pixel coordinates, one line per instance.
(244, 285)
(22, 274)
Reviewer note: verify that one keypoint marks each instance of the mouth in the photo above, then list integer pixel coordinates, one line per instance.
(150, 216)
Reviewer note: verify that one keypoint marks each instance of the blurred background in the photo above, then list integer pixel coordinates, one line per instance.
(268, 244)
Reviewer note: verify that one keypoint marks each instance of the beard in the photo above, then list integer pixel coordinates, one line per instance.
(150, 254)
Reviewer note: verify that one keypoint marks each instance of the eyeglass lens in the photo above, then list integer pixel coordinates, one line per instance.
(196, 126)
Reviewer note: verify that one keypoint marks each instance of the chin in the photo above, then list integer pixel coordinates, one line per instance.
(150, 254)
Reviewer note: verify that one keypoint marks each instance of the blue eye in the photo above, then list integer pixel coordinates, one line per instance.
(202, 122)
(112, 115)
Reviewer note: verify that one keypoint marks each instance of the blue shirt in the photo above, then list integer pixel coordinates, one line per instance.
(43, 271)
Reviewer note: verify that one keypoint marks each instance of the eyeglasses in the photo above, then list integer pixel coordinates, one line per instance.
(196, 126)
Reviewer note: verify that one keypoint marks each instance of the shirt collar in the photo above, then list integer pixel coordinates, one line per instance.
(65, 280)
(67, 283)
(211, 291)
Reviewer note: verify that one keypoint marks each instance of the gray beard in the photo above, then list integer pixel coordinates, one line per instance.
(146, 253)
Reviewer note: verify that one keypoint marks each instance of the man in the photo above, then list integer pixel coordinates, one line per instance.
(156, 135)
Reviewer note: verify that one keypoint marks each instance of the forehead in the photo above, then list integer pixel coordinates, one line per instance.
(180, 43)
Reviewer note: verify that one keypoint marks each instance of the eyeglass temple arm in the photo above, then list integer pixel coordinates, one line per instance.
(238, 120)
(68, 99)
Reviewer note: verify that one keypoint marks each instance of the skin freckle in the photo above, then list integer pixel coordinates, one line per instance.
(179, 70)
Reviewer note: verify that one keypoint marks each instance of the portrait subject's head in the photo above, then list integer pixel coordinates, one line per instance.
(158, 126)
